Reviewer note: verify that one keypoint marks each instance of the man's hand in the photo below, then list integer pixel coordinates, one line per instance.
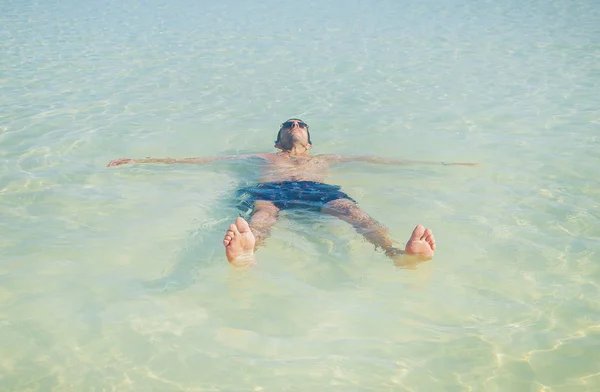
(122, 161)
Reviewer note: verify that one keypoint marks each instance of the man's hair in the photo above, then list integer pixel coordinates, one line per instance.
(292, 119)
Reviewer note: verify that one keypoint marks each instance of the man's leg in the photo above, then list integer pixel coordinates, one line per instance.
(419, 247)
(243, 238)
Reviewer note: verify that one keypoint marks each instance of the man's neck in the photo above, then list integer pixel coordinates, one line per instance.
(296, 150)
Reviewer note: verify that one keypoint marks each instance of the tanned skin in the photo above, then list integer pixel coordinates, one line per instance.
(295, 163)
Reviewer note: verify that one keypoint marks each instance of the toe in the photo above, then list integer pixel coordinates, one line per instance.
(430, 239)
(426, 234)
(417, 233)
(242, 225)
(233, 230)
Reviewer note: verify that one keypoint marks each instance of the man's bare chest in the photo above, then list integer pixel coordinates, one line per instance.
(300, 163)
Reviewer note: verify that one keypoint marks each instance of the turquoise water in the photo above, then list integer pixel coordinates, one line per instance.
(115, 278)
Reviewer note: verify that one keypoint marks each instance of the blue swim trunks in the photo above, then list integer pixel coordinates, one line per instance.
(309, 195)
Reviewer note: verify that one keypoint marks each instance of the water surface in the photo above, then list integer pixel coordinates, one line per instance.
(115, 279)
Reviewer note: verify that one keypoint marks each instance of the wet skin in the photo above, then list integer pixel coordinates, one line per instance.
(295, 163)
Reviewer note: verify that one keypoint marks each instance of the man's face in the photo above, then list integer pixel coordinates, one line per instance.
(293, 131)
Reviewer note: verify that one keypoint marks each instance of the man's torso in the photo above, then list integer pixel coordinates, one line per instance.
(283, 167)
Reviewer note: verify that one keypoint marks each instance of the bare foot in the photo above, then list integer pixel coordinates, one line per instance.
(421, 243)
(239, 243)
(419, 248)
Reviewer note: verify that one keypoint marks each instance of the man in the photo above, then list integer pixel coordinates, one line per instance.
(292, 178)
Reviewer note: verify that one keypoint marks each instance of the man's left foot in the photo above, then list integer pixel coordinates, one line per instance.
(421, 243)
(419, 248)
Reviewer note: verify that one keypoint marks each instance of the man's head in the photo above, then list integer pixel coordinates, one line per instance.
(293, 132)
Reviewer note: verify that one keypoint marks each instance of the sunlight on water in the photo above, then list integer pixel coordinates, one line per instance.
(115, 278)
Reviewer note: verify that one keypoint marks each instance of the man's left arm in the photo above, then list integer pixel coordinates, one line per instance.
(389, 161)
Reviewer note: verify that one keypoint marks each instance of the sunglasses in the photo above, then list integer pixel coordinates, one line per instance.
(289, 124)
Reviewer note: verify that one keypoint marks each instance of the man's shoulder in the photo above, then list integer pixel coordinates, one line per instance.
(264, 155)
(268, 156)
(327, 157)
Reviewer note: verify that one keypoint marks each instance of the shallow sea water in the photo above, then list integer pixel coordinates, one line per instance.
(115, 278)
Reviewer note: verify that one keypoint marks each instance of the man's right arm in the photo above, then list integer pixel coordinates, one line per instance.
(129, 161)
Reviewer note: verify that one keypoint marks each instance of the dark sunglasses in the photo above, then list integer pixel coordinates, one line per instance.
(289, 124)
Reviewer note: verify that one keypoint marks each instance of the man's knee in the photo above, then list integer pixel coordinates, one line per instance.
(265, 211)
(341, 207)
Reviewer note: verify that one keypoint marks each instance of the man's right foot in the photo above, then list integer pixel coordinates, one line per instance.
(239, 243)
